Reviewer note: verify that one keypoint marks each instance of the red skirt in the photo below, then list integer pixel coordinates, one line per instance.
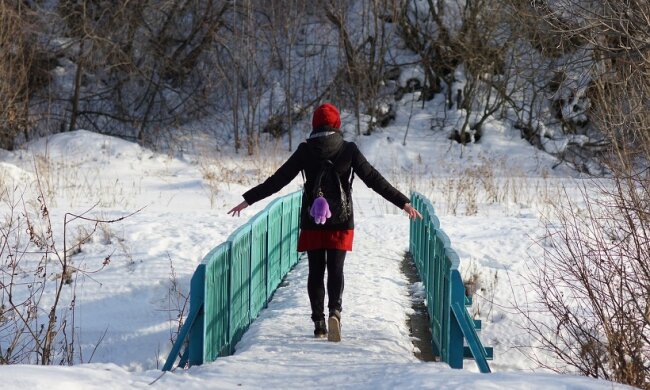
(325, 239)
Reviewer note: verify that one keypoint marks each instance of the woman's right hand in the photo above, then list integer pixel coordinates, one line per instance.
(237, 209)
(412, 212)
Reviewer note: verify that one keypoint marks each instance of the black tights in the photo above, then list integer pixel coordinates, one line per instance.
(318, 259)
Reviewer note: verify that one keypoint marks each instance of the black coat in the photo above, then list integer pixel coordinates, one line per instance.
(308, 158)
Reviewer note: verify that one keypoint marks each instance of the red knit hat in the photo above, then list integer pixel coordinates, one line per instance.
(326, 115)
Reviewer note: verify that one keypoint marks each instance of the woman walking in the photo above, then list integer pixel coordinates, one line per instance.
(326, 222)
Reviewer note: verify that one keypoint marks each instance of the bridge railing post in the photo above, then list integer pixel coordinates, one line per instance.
(437, 264)
(197, 298)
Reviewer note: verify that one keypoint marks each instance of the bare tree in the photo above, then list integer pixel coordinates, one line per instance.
(463, 47)
(38, 282)
(363, 50)
(25, 65)
(592, 283)
(595, 276)
(140, 66)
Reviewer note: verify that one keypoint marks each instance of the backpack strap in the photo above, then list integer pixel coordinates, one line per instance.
(328, 164)
(345, 145)
(325, 165)
(339, 153)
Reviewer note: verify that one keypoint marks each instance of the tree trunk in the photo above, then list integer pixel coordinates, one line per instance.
(77, 88)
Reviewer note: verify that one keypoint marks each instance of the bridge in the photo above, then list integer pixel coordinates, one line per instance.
(237, 280)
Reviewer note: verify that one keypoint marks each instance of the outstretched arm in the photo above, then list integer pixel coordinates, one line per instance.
(376, 181)
(379, 184)
(274, 183)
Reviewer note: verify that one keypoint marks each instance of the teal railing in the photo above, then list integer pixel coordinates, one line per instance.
(235, 281)
(451, 324)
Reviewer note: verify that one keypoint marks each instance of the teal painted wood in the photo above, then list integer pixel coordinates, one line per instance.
(184, 358)
(488, 350)
(286, 249)
(235, 281)
(296, 203)
(437, 264)
(274, 245)
(217, 265)
(475, 348)
(195, 342)
(465, 325)
(182, 335)
(259, 259)
(240, 247)
(456, 328)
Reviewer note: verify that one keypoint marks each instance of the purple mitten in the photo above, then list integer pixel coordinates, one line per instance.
(320, 210)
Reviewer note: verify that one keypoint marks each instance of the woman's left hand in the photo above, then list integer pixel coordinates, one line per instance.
(412, 212)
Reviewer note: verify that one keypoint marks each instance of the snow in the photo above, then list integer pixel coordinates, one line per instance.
(184, 200)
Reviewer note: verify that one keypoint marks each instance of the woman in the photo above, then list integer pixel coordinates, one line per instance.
(326, 244)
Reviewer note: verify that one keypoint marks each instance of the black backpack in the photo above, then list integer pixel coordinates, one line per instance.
(328, 185)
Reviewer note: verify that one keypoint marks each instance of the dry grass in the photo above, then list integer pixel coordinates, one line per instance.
(77, 184)
(220, 172)
(478, 189)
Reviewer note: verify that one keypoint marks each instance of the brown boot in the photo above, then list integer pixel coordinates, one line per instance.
(334, 323)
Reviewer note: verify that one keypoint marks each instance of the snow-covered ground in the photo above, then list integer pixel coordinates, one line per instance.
(491, 198)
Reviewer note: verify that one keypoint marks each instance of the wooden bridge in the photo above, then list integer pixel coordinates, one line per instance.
(237, 279)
